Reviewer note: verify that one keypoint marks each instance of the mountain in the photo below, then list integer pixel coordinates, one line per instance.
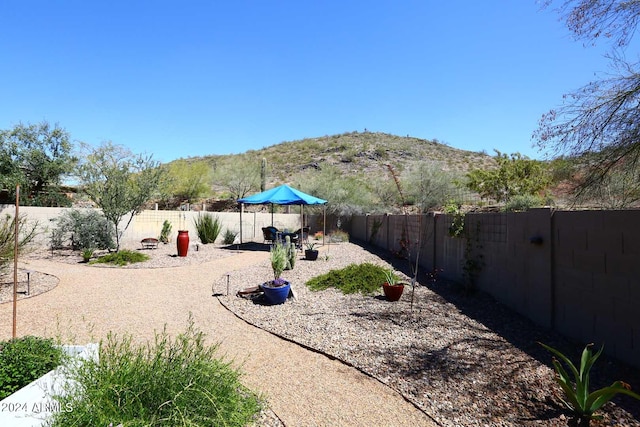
(356, 153)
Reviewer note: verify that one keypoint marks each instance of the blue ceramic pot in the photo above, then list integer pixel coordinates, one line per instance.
(276, 295)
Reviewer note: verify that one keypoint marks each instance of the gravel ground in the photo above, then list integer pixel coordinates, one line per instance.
(462, 358)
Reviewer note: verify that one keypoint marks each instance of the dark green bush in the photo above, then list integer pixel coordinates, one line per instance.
(22, 360)
(229, 236)
(364, 278)
(83, 230)
(208, 227)
(169, 382)
(122, 257)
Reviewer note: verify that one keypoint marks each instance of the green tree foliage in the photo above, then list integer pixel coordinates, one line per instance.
(187, 180)
(515, 175)
(38, 157)
(119, 182)
(601, 118)
(346, 194)
(428, 186)
(240, 177)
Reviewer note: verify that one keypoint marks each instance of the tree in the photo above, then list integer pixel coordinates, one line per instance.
(38, 157)
(188, 180)
(119, 182)
(429, 186)
(26, 233)
(515, 175)
(241, 177)
(602, 117)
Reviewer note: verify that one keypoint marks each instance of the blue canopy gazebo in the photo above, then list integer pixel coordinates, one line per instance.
(281, 195)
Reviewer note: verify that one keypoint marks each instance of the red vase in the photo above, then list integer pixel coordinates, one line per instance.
(393, 292)
(183, 242)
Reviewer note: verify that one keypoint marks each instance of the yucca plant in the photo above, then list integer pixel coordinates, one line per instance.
(208, 227)
(578, 399)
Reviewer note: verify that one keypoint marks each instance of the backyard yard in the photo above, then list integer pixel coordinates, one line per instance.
(461, 358)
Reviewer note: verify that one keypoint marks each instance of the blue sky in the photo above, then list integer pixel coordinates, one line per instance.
(191, 78)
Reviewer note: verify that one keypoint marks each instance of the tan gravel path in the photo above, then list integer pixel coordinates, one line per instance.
(308, 389)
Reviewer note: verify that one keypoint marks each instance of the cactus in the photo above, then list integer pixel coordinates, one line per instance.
(291, 253)
(263, 174)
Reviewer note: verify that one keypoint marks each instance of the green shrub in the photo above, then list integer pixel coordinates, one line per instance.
(166, 230)
(123, 257)
(170, 382)
(26, 234)
(229, 236)
(84, 230)
(523, 202)
(23, 360)
(365, 278)
(208, 227)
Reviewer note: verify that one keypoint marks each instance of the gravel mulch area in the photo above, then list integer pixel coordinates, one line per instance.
(463, 358)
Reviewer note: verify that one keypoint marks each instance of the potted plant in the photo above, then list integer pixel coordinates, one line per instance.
(392, 287)
(310, 253)
(277, 290)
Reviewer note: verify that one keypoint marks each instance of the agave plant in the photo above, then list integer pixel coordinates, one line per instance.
(578, 399)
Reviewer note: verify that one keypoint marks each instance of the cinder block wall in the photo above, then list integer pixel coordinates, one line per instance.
(577, 272)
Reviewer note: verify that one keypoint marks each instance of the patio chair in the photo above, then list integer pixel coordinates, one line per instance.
(303, 235)
(270, 234)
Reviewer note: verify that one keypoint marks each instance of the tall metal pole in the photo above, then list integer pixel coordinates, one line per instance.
(15, 262)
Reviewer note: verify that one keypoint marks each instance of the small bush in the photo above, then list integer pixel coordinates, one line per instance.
(122, 257)
(208, 227)
(365, 278)
(23, 360)
(164, 233)
(339, 236)
(83, 230)
(523, 202)
(229, 236)
(170, 382)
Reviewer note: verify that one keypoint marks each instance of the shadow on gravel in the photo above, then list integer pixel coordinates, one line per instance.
(517, 330)
(248, 246)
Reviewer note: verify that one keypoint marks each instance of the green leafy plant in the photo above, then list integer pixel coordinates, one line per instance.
(278, 255)
(310, 246)
(390, 277)
(208, 227)
(87, 254)
(121, 258)
(363, 278)
(165, 232)
(456, 228)
(575, 384)
(177, 381)
(23, 360)
(229, 236)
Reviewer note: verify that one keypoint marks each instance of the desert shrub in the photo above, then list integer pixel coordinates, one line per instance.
(208, 227)
(84, 230)
(123, 257)
(365, 278)
(338, 236)
(523, 202)
(26, 233)
(23, 360)
(229, 236)
(164, 233)
(169, 382)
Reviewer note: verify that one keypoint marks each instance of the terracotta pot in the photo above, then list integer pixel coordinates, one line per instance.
(393, 292)
(183, 242)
